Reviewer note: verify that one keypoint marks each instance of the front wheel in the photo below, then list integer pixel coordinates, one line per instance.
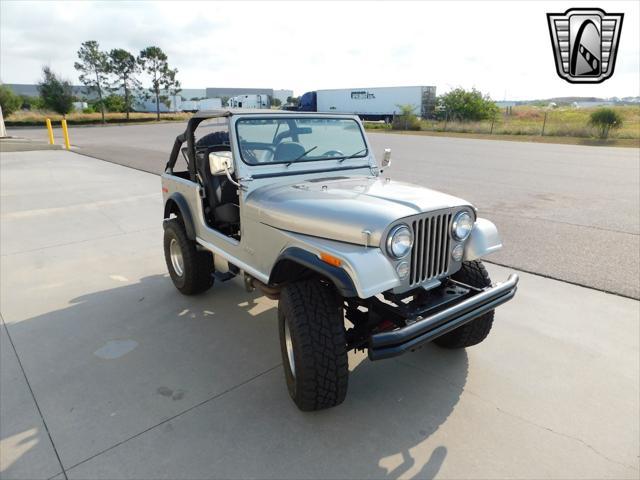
(313, 345)
(474, 274)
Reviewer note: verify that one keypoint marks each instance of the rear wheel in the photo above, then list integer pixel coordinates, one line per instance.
(190, 269)
(313, 345)
(474, 274)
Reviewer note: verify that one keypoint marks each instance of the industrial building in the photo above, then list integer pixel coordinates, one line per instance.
(220, 92)
(31, 90)
(187, 94)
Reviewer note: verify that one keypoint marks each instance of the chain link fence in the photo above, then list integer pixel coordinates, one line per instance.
(527, 120)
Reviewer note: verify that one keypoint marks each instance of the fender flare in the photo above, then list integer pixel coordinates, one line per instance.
(177, 201)
(484, 239)
(338, 276)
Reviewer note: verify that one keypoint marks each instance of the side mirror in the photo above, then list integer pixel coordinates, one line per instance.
(386, 158)
(220, 162)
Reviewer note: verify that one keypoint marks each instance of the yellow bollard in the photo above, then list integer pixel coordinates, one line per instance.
(65, 133)
(51, 141)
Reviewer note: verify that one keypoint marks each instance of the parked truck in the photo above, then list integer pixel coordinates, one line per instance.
(209, 104)
(204, 104)
(380, 103)
(250, 101)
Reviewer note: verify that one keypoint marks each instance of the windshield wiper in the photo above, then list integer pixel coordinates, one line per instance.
(301, 156)
(352, 155)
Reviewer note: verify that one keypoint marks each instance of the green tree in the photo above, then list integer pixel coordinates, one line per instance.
(465, 105)
(93, 67)
(56, 94)
(173, 86)
(125, 68)
(9, 101)
(406, 120)
(276, 102)
(155, 62)
(604, 119)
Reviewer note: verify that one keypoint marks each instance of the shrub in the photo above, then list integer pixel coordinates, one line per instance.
(461, 104)
(9, 101)
(407, 120)
(31, 103)
(604, 119)
(115, 103)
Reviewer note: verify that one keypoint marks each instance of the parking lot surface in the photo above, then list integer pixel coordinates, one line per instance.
(569, 212)
(108, 372)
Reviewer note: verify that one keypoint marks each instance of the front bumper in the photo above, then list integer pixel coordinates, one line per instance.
(425, 329)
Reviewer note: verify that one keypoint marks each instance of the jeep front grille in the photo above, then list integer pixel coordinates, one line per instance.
(431, 243)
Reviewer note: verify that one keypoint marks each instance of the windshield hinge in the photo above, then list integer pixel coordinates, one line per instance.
(367, 237)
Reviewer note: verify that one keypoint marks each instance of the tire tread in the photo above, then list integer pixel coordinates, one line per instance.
(198, 265)
(315, 319)
(472, 273)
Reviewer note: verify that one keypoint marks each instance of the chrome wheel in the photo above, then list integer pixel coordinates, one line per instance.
(175, 253)
(289, 346)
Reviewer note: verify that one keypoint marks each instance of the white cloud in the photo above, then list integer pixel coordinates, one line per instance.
(498, 47)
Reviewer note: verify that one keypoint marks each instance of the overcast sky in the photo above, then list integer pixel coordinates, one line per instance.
(502, 48)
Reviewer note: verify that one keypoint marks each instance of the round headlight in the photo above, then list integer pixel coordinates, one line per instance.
(461, 226)
(402, 269)
(399, 241)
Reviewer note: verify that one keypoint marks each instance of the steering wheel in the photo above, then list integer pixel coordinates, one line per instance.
(333, 153)
(249, 155)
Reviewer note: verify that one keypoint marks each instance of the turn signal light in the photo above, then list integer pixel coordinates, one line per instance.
(330, 259)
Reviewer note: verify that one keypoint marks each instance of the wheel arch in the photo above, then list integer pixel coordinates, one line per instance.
(177, 205)
(295, 263)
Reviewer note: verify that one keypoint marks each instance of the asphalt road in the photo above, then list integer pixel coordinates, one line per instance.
(567, 212)
(106, 371)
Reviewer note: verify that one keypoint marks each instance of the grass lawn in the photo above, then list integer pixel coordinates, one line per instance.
(611, 142)
(562, 125)
(37, 119)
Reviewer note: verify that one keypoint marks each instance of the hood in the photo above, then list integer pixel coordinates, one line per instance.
(341, 208)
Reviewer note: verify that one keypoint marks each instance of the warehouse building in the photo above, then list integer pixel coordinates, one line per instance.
(282, 95)
(31, 90)
(218, 92)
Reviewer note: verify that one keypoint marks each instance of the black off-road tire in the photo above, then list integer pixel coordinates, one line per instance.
(312, 312)
(472, 273)
(197, 266)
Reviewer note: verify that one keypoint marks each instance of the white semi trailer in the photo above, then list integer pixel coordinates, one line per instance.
(378, 103)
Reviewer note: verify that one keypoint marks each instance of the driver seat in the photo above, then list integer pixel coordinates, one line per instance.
(221, 202)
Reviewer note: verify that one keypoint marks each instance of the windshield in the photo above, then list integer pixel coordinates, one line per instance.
(290, 140)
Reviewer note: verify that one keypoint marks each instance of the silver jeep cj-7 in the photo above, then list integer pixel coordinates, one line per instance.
(297, 205)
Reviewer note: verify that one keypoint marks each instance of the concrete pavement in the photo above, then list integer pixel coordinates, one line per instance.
(565, 211)
(134, 380)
